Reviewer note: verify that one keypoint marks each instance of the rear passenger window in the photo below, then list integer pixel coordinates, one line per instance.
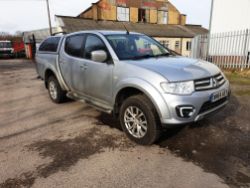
(93, 43)
(73, 45)
(50, 45)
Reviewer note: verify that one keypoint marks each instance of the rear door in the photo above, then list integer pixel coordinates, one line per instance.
(72, 62)
(98, 75)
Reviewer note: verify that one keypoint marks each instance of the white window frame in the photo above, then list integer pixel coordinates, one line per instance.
(164, 19)
(123, 14)
(165, 43)
(177, 44)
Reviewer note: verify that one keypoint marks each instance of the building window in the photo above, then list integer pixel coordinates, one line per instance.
(165, 43)
(143, 15)
(162, 17)
(177, 45)
(188, 46)
(123, 14)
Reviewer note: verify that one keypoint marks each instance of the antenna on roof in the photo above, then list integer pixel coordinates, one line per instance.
(125, 28)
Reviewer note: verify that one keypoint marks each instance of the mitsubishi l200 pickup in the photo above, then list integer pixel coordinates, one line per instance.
(133, 77)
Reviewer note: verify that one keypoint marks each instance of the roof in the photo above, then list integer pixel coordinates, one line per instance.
(40, 34)
(105, 32)
(73, 24)
(89, 8)
(197, 29)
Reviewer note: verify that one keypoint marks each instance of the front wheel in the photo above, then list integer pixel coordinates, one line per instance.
(139, 120)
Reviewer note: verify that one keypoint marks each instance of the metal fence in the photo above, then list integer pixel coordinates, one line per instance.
(228, 50)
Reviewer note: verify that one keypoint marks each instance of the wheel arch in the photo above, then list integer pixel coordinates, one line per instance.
(144, 88)
(47, 74)
(52, 71)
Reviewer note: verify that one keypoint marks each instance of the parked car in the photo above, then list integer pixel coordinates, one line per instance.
(19, 49)
(6, 49)
(133, 77)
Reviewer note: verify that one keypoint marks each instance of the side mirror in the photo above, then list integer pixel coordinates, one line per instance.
(99, 56)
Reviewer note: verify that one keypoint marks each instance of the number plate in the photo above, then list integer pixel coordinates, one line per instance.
(219, 95)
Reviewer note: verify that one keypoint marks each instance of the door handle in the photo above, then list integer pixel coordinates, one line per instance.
(83, 67)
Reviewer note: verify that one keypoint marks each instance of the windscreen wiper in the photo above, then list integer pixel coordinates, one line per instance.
(142, 57)
(163, 55)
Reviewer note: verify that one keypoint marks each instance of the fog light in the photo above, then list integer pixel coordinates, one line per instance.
(185, 111)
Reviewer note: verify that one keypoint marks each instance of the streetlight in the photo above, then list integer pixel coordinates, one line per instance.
(210, 27)
(211, 16)
(48, 10)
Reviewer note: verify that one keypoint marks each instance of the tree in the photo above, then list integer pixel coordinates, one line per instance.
(3, 33)
(18, 33)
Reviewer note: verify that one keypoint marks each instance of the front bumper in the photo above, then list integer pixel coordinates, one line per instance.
(200, 101)
(6, 54)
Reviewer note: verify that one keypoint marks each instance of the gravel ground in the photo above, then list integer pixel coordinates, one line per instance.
(72, 145)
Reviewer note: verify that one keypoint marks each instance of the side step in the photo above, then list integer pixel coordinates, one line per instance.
(90, 103)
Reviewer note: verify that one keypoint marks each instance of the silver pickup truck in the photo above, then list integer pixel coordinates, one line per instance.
(133, 77)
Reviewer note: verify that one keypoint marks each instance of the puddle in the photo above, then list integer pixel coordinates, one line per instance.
(66, 153)
(25, 180)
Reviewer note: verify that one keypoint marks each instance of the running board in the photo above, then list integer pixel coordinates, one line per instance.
(88, 102)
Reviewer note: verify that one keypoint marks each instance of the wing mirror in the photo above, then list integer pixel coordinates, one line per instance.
(99, 56)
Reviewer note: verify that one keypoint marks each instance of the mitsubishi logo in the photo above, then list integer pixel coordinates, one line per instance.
(214, 82)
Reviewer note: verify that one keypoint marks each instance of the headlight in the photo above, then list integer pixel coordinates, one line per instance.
(224, 75)
(178, 88)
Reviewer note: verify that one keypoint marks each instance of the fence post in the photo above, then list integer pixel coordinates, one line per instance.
(246, 50)
(248, 57)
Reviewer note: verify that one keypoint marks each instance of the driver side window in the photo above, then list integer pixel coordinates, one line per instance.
(93, 43)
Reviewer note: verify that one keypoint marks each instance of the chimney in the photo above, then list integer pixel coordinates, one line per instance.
(183, 19)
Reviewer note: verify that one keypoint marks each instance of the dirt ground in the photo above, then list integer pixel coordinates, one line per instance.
(72, 145)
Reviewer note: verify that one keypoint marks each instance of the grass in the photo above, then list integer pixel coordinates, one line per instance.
(238, 77)
(243, 92)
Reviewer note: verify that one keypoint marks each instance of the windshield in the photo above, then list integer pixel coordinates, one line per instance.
(134, 46)
(5, 45)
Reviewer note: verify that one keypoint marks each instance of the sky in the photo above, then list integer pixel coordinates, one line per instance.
(25, 15)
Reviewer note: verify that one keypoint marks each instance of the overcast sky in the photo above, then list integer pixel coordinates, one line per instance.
(23, 15)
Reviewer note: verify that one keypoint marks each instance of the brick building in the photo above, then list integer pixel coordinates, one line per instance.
(159, 19)
(147, 11)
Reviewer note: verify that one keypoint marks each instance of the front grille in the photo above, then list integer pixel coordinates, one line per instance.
(210, 105)
(209, 83)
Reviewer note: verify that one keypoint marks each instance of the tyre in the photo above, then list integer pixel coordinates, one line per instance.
(140, 120)
(56, 93)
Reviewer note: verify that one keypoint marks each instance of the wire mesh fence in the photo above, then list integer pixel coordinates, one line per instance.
(230, 50)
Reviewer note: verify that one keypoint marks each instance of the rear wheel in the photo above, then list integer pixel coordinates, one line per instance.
(56, 93)
(139, 120)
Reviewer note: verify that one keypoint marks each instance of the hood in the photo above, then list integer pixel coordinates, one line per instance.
(178, 68)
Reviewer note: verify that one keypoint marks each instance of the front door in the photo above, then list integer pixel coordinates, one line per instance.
(98, 75)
